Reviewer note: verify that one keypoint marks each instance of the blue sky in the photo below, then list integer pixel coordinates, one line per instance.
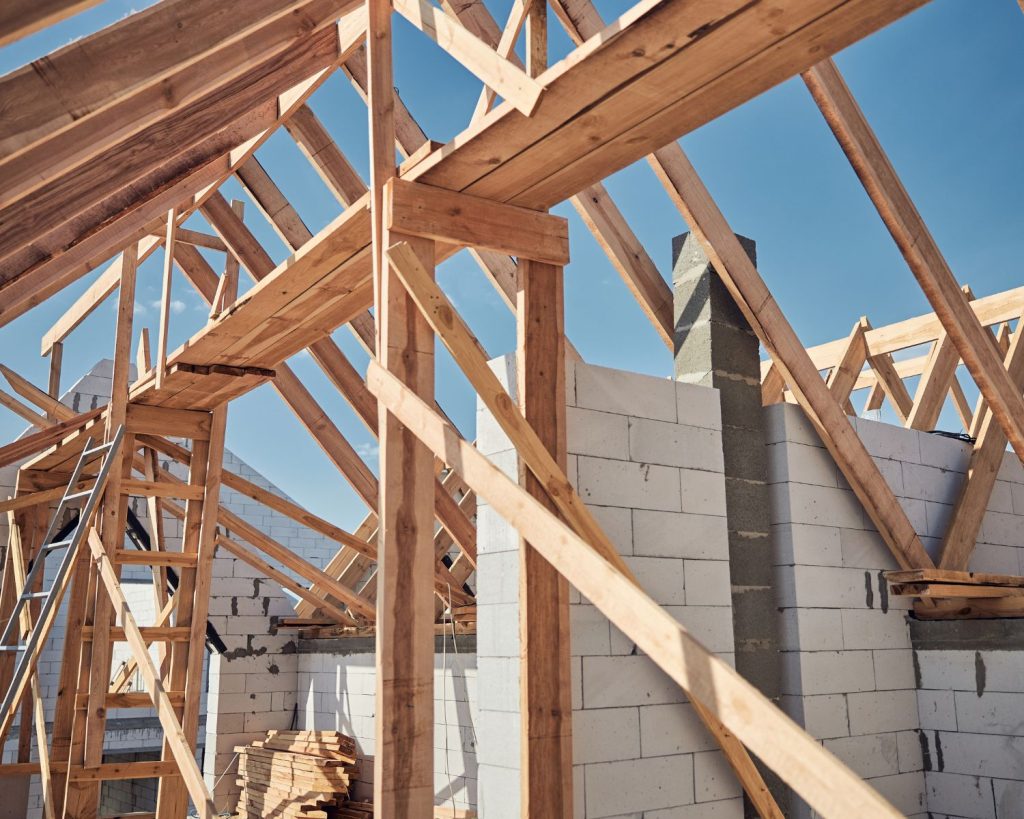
(941, 88)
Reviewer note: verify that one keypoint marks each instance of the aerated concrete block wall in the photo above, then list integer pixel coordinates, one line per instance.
(336, 690)
(848, 666)
(646, 455)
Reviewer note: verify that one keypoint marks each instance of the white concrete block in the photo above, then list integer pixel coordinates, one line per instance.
(620, 483)
(992, 755)
(618, 788)
(787, 422)
(889, 441)
(698, 406)
(1001, 498)
(930, 483)
(1009, 797)
(1002, 529)
(712, 625)
(676, 534)
(827, 587)
(967, 796)
(589, 629)
(911, 752)
(991, 713)
(871, 628)
(801, 463)
(894, 668)
(605, 735)
(703, 493)
(610, 682)
(806, 544)
(725, 809)
(662, 578)
(670, 444)
(819, 505)
(869, 756)
(936, 710)
(905, 791)
(811, 629)
(713, 779)
(830, 672)
(600, 434)
(707, 583)
(993, 559)
(880, 711)
(625, 393)
(672, 729)
(945, 453)
(617, 523)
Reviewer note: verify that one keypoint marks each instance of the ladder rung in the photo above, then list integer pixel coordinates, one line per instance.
(58, 544)
(12, 648)
(93, 449)
(76, 495)
(142, 557)
(35, 595)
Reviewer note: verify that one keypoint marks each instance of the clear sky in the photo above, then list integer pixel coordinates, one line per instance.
(942, 89)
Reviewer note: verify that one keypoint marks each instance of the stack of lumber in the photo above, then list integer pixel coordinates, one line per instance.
(294, 774)
(944, 594)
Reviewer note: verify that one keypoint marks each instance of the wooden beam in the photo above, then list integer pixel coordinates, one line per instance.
(826, 784)
(496, 72)
(26, 389)
(752, 296)
(545, 670)
(919, 249)
(165, 298)
(320, 149)
(892, 385)
(403, 763)
(505, 47)
(20, 18)
(433, 213)
(982, 470)
(934, 385)
(844, 375)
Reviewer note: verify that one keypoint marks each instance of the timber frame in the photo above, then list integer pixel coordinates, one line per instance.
(106, 173)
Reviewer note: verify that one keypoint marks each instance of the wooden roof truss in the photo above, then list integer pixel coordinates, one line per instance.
(187, 91)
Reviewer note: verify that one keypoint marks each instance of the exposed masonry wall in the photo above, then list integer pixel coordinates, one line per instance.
(848, 667)
(646, 455)
(128, 795)
(971, 704)
(337, 683)
(251, 686)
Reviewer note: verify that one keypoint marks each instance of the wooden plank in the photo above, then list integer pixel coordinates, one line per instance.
(177, 423)
(403, 762)
(320, 149)
(982, 470)
(844, 375)
(943, 575)
(919, 249)
(934, 385)
(747, 287)
(136, 557)
(505, 47)
(545, 670)
(55, 411)
(824, 782)
(161, 489)
(25, 412)
(891, 383)
(433, 213)
(20, 18)
(53, 434)
(969, 608)
(947, 590)
(509, 81)
(165, 299)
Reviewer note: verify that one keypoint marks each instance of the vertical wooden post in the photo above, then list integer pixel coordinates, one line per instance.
(53, 387)
(165, 298)
(545, 670)
(403, 777)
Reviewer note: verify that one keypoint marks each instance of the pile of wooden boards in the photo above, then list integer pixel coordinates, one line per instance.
(294, 774)
(946, 594)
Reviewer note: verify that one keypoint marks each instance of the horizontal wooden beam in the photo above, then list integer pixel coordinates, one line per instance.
(434, 213)
(20, 18)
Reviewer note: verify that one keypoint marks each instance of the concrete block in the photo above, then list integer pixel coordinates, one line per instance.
(619, 483)
(880, 711)
(712, 625)
(1009, 797)
(889, 441)
(589, 629)
(617, 523)
(610, 682)
(811, 630)
(625, 393)
(911, 754)
(501, 690)
(1002, 529)
(713, 779)
(600, 434)
(498, 738)
(993, 559)
(725, 809)
(1001, 499)
(930, 483)
(905, 791)
(872, 628)
(670, 444)
(869, 756)
(619, 788)
(819, 505)
(666, 730)
(945, 453)
(787, 422)
(937, 710)
(698, 406)
(498, 576)
(703, 493)
(830, 672)
(800, 463)
(707, 583)
(990, 713)
(675, 534)
(827, 587)
(894, 668)
(605, 735)
(498, 630)
(968, 796)
(662, 578)
(807, 544)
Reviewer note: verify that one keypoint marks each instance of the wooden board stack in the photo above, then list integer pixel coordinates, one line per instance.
(294, 774)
